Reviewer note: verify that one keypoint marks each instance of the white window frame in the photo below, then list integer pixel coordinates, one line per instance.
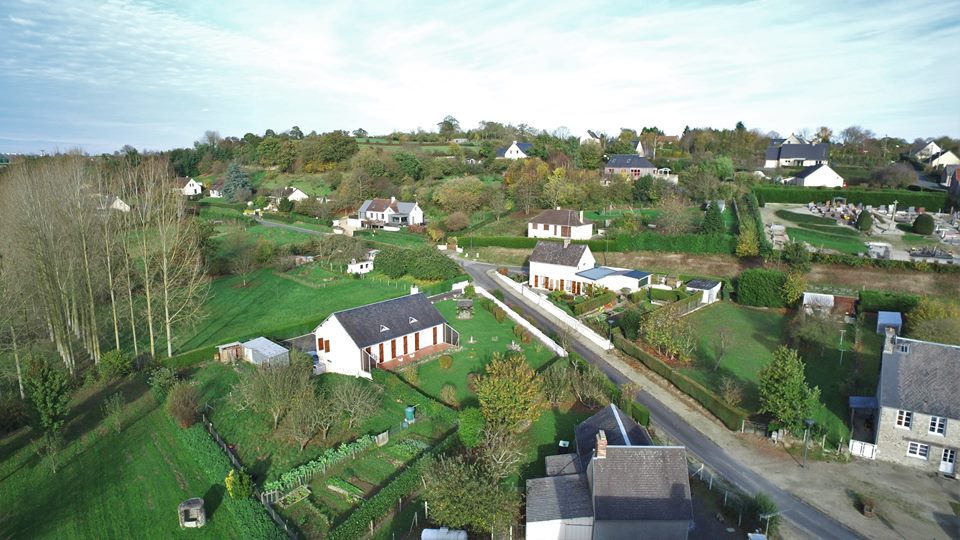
(904, 419)
(938, 426)
(918, 450)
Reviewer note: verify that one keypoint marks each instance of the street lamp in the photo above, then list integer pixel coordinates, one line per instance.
(809, 422)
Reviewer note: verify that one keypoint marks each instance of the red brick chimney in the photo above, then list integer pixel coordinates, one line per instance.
(601, 451)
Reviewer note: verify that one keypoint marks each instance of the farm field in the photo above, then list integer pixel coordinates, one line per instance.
(755, 335)
(490, 337)
(125, 484)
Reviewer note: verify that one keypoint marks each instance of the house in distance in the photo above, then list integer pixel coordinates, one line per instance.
(560, 224)
(379, 213)
(516, 150)
(572, 268)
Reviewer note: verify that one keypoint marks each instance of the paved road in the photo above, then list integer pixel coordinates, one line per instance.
(801, 515)
(280, 225)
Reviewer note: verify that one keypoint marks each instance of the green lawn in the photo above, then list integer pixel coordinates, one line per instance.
(756, 333)
(400, 238)
(311, 184)
(843, 244)
(273, 306)
(490, 337)
(800, 219)
(112, 485)
(544, 436)
(514, 224)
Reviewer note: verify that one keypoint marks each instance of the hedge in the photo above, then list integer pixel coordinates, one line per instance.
(753, 207)
(931, 201)
(723, 244)
(667, 295)
(761, 287)
(223, 204)
(887, 264)
(887, 301)
(443, 286)
(732, 417)
(594, 303)
(358, 524)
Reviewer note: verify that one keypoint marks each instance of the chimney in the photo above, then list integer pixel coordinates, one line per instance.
(891, 339)
(393, 199)
(414, 289)
(601, 451)
(581, 216)
(566, 243)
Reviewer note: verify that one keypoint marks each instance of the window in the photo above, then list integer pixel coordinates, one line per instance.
(918, 450)
(383, 328)
(938, 425)
(904, 419)
(904, 348)
(413, 321)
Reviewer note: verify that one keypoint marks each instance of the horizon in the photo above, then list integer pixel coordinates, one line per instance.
(156, 76)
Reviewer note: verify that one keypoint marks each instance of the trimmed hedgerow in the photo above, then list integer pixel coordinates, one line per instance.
(931, 201)
(887, 301)
(596, 302)
(761, 287)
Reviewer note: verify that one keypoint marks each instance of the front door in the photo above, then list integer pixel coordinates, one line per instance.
(434, 335)
(948, 462)
(416, 342)
(404, 344)
(380, 358)
(561, 285)
(393, 348)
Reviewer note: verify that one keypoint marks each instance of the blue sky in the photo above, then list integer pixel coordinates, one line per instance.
(98, 75)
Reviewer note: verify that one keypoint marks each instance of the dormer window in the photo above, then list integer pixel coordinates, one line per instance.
(413, 320)
(904, 348)
(383, 328)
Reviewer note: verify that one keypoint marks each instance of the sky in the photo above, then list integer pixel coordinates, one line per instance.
(156, 75)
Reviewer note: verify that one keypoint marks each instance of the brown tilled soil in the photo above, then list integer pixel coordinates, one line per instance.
(725, 266)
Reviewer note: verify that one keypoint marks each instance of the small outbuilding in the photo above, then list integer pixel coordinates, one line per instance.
(259, 351)
(465, 309)
(192, 514)
(889, 319)
(359, 267)
(710, 289)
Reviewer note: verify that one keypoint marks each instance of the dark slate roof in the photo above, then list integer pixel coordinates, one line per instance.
(629, 161)
(562, 464)
(804, 151)
(620, 429)
(558, 497)
(810, 170)
(635, 483)
(364, 324)
(560, 217)
(524, 147)
(776, 142)
(705, 284)
(555, 253)
(923, 380)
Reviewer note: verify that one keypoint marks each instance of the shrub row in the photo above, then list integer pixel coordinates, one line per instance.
(223, 204)
(251, 517)
(887, 301)
(761, 287)
(932, 201)
(357, 525)
(887, 264)
(292, 218)
(665, 295)
(732, 417)
(326, 459)
(722, 244)
(596, 302)
(443, 286)
(753, 208)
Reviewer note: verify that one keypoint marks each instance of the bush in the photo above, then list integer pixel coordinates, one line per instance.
(630, 323)
(183, 404)
(887, 301)
(761, 287)
(472, 381)
(594, 303)
(924, 224)
(864, 221)
(471, 425)
(446, 361)
(448, 394)
(456, 221)
(114, 365)
(239, 484)
(13, 412)
(641, 414)
(392, 261)
(160, 381)
(499, 314)
(412, 375)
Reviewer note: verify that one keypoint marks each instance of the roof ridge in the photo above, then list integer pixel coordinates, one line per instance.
(623, 430)
(375, 303)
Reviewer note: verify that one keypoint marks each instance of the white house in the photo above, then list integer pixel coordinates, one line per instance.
(292, 194)
(112, 202)
(927, 151)
(216, 189)
(259, 351)
(818, 176)
(359, 267)
(560, 224)
(517, 150)
(355, 341)
(188, 186)
(788, 154)
(942, 159)
(617, 485)
(709, 289)
(572, 268)
(389, 212)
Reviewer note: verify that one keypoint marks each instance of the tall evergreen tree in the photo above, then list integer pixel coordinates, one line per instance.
(784, 391)
(712, 220)
(236, 181)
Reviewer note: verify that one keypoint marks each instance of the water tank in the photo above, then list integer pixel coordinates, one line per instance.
(409, 414)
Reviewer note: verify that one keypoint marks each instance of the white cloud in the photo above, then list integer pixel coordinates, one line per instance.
(21, 21)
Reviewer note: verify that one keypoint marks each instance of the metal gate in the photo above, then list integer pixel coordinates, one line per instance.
(863, 449)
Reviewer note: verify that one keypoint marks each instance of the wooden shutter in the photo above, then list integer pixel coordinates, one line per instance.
(393, 348)
(434, 335)
(380, 358)
(326, 346)
(404, 344)
(536, 281)
(416, 341)
(565, 231)
(319, 344)
(561, 284)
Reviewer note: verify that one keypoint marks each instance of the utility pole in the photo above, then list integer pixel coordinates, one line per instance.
(841, 346)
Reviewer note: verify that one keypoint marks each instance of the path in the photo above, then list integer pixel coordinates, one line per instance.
(669, 413)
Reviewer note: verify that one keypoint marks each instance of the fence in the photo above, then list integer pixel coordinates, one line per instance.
(556, 312)
(552, 345)
(266, 499)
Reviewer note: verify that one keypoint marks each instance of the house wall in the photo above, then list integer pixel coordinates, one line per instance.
(822, 177)
(514, 152)
(192, 188)
(344, 355)
(361, 267)
(582, 232)
(298, 196)
(892, 440)
(561, 529)
(927, 151)
(946, 159)
(426, 340)
(709, 296)
(416, 216)
(641, 530)
(615, 283)
(630, 172)
(554, 272)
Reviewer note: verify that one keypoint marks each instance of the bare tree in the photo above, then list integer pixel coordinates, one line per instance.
(272, 389)
(357, 399)
(674, 217)
(304, 419)
(721, 344)
(501, 451)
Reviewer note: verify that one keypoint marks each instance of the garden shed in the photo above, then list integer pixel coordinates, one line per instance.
(708, 287)
(889, 319)
(259, 351)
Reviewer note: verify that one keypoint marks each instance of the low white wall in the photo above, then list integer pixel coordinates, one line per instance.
(556, 312)
(552, 345)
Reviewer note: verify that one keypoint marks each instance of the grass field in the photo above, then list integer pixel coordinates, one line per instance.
(311, 184)
(756, 333)
(514, 224)
(271, 305)
(490, 337)
(800, 219)
(818, 239)
(398, 238)
(112, 485)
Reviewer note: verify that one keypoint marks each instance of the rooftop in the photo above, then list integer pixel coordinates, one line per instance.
(265, 347)
(557, 253)
(629, 161)
(558, 497)
(600, 272)
(382, 321)
(702, 284)
(923, 379)
(560, 217)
